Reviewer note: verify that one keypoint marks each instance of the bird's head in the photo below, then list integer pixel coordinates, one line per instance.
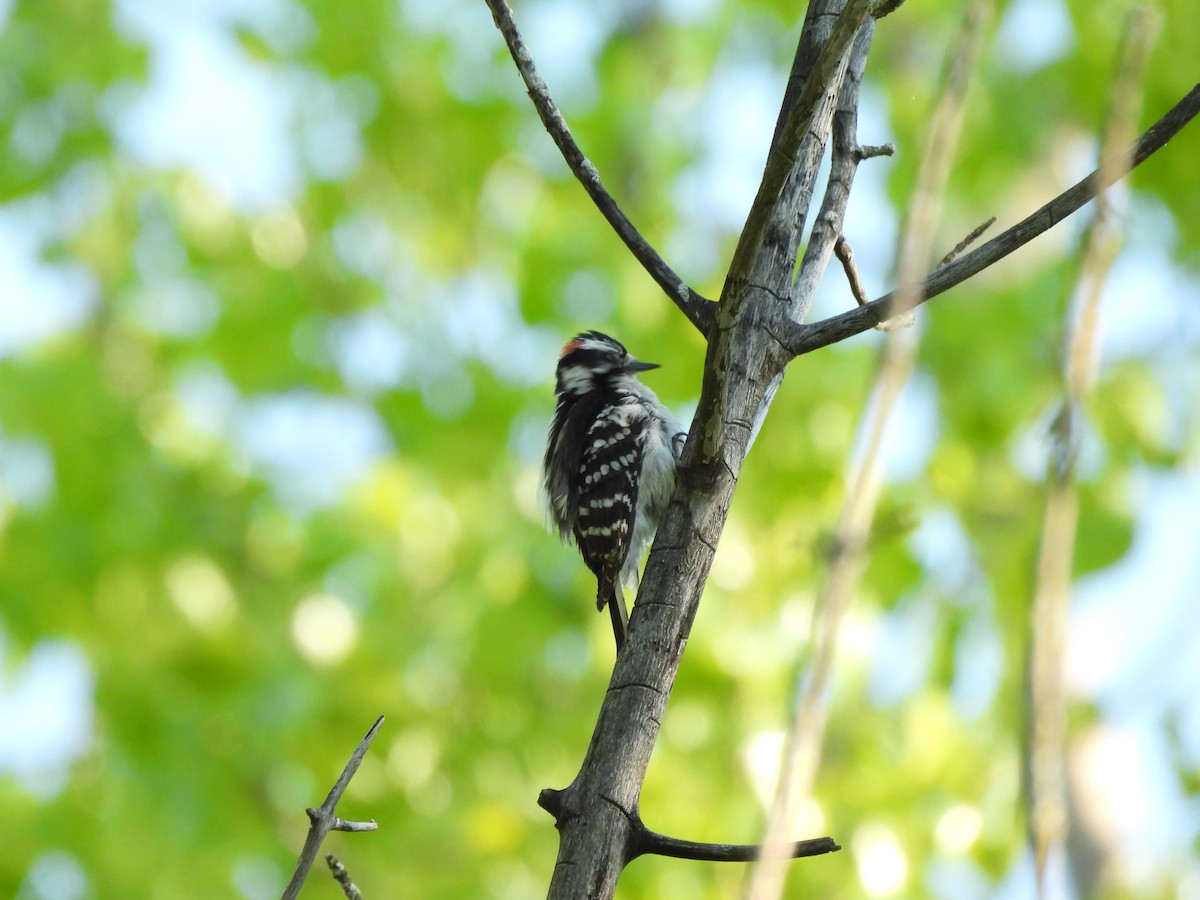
(591, 360)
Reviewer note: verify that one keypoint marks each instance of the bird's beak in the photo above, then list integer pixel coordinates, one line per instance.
(636, 365)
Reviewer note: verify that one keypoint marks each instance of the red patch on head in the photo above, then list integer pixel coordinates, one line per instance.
(569, 346)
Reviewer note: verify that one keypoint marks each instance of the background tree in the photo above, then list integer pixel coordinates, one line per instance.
(281, 288)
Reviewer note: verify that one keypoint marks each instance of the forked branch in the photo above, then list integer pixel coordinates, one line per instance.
(644, 842)
(801, 339)
(323, 819)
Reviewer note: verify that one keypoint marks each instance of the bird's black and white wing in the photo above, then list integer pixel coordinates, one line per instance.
(608, 491)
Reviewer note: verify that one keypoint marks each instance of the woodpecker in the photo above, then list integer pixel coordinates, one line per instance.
(610, 463)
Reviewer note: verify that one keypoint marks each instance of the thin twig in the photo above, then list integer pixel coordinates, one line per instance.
(802, 750)
(908, 318)
(925, 210)
(644, 842)
(844, 158)
(1049, 817)
(845, 255)
(323, 819)
(699, 310)
(651, 842)
(966, 242)
(342, 877)
(870, 151)
(800, 339)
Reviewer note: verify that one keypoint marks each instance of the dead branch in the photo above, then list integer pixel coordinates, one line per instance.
(801, 339)
(698, 309)
(1048, 815)
(342, 877)
(802, 751)
(323, 819)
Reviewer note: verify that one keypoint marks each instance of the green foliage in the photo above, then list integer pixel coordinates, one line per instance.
(243, 634)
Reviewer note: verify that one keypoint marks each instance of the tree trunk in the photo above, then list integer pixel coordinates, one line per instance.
(597, 816)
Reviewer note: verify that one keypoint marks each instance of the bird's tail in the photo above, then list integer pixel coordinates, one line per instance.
(609, 594)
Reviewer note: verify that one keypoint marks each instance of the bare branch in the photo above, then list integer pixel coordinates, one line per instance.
(966, 242)
(819, 19)
(870, 151)
(802, 750)
(765, 256)
(845, 255)
(342, 877)
(801, 339)
(925, 206)
(644, 842)
(323, 819)
(1048, 819)
(844, 159)
(794, 143)
(789, 216)
(699, 310)
(651, 842)
(343, 825)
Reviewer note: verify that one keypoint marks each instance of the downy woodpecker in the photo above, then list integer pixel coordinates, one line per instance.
(610, 463)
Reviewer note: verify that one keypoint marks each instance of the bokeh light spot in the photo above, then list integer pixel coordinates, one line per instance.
(495, 829)
(279, 239)
(958, 828)
(324, 629)
(882, 863)
(201, 592)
